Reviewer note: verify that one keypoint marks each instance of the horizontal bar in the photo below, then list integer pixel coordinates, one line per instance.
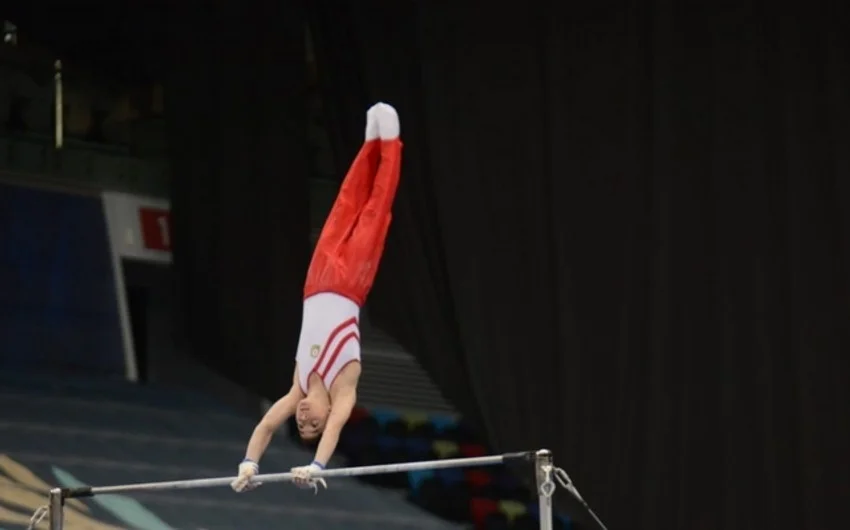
(359, 471)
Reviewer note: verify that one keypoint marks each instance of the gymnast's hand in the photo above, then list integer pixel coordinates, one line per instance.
(247, 470)
(302, 477)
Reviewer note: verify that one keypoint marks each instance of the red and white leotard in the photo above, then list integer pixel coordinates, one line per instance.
(330, 338)
(349, 251)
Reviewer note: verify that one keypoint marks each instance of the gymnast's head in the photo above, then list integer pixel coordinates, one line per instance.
(311, 415)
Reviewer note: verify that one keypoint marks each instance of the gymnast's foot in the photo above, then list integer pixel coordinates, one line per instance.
(383, 119)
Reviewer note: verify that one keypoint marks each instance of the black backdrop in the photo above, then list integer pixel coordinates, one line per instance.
(621, 232)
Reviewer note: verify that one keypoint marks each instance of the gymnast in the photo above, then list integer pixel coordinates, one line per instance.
(341, 274)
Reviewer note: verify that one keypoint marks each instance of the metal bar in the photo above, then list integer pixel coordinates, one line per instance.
(284, 477)
(55, 505)
(545, 487)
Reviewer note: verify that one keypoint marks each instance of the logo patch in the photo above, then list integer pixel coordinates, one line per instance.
(314, 350)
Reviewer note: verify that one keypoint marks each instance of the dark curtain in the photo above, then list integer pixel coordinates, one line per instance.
(622, 234)
(236, 107)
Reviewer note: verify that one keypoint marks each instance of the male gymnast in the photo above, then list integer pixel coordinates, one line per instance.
(341, 273)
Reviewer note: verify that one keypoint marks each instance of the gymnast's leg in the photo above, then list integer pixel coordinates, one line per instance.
(365, 246)
(325, 271)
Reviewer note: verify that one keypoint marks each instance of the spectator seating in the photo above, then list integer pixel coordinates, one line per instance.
(59, 432)
(96, 432)
(491, 498)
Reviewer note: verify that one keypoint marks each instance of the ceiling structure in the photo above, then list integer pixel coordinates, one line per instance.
(122, 40)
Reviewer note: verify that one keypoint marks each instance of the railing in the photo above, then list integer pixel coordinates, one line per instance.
(81, 165)
(91, 167)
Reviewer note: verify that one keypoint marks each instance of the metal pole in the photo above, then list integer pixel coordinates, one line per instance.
(545, 487)
(55, 509)
(59, 133)
(284, 477)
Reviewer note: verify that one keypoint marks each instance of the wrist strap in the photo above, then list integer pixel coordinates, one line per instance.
(248, 460)
(318, 464)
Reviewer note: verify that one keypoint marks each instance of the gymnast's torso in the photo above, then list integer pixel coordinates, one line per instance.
(329, 341)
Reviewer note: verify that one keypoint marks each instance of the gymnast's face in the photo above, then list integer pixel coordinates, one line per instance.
(311, 417)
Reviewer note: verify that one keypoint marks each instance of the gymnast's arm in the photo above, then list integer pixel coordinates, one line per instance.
(343, 401)
(273, 419)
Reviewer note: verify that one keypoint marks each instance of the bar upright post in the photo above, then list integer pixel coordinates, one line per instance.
(55, 509)
(545, 486)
